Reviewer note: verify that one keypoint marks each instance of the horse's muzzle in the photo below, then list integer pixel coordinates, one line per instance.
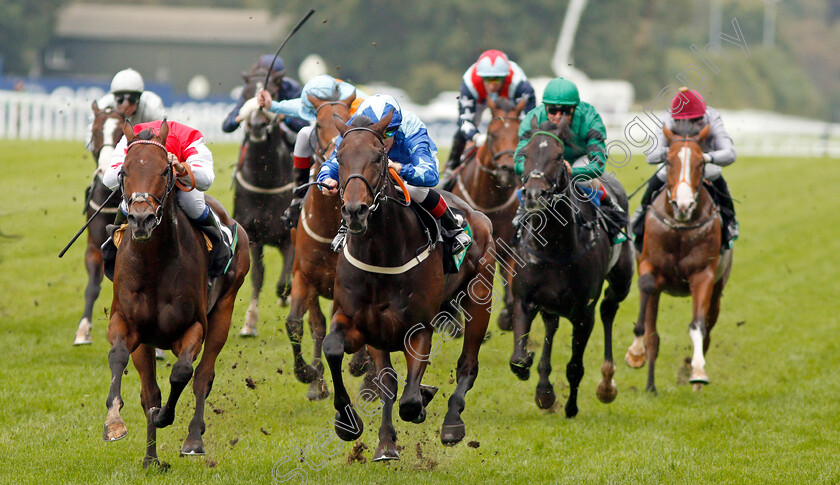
(355, 216)
(141, 225)
(533, 199)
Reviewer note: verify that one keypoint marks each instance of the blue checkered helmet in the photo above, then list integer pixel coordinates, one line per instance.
(378, 106)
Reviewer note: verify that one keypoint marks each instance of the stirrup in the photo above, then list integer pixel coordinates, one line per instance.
(460, 242)
(340, 238)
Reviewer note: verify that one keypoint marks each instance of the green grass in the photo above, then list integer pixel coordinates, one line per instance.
(769, 416)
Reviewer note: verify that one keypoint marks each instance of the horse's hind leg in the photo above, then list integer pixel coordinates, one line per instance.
(144, 362)
(521, 359)
(417, 352)
(303, 295)
(187, 349)
(348, 426)
(284, 284)
(714, 312)
(93, 264)
(387, 383)
(620, 280)
(545, 396)
(318, 326)
(122, 344)
(574, 369)
(218, 325)
(252, 316)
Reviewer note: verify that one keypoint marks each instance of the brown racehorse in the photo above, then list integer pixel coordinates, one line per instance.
(488, 183)
(313, 272)
(568, 256)
(162, 298)
(107, 130)
(390, 285)
(681, 256)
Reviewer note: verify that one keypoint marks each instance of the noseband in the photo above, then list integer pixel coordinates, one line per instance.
(145, 196)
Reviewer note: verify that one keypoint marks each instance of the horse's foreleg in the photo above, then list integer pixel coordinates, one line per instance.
(635, 356)
(144, 362)
(318, 326)
(714, 312)
(521, 359)
(302, 298)
(702, 288)
(620, 279)
(545, 396)
(417, 352)
(387, 384)
(187, 349)
(252, 316)
(122, 344)
(93, 264)
(581, 330)
(649, 309)
(284, 284)
(505, 319)
(348, 426)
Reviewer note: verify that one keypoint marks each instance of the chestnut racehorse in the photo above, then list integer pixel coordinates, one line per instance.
(681, 256)
(162, 297)
(107, 130)
(389, 288)
(488, 184)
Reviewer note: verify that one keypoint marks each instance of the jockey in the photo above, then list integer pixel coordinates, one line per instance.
(584, 153)
(129, 97)
(718, 150)
(492, 76)
(281, 88)
(321, 87)
(413, 155)
(185, 146)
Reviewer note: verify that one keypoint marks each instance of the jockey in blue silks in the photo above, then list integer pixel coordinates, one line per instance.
(412, 154)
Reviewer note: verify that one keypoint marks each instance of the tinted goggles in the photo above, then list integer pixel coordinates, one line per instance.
(132, 98)
(553, 109)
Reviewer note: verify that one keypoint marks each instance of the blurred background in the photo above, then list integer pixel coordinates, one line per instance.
(771, 66)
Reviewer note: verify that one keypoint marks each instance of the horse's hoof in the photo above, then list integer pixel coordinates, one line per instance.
(348, 428)
(571, 409)
(193, 447)
(634, 361)
(83, 335)
(522, 367)
(317, 391)
(451, 435)
(411, 409)
(606, 391)
(504, 321)
(248, 331)
(421, 418)
(386, 451)
(545, 397)
(305, 373)
(160, 354)
(698, 376)
(282, 301)
(150, 460)
(427, 393)
(114, 431)
(154, 417)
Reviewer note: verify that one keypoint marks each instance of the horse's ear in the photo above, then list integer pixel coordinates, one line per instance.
(316, 102)
(534, 124)
(382, 125)
(164, 131)
(95, 107)
(669, 135)
(340, 125)
(520, 105)
(246, 76)
(349, 99)
(703, 133)
(128, 131)
(492, 104)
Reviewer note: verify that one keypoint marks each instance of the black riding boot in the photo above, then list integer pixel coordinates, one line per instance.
(290, 217)
(616, 219)
(109, 248)
(453, 227)
(637, 223)
(458, 144)
(729, 226)
(221, 238)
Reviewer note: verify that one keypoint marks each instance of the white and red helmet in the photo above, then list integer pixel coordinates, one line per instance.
(492, 63)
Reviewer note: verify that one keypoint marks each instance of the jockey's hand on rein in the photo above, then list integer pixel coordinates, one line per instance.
(333, 187)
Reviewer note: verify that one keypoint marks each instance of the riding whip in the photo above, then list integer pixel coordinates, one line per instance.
(295, 29)
(87, 224)
(645, 182)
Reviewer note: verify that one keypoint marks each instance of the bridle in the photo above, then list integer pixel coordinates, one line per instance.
(138, 197)
(322, 150)
(495, 168)
(105, 113)
(686, 140)
(378, 191)
(554, 190)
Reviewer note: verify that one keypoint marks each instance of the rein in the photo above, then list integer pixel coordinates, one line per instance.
(145, 196)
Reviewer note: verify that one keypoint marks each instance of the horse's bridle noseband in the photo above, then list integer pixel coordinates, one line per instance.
(378, 192)
(145, 196)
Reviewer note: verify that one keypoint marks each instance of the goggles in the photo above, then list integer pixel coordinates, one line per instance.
(553, 109)
(132, 98)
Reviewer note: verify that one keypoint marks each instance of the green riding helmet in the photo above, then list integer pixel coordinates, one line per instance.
(561, 91)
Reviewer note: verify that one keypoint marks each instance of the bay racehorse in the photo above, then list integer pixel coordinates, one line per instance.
(313, 273)
(681, 256)
(567, 256)
(488, 184)
(262, 192)
(162, 297)
(389, 288)
(107, 129)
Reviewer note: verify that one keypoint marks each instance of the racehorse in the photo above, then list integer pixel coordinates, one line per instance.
(313, 273)
(161, 295)
(681, 256)
(488, 182)
(567, 255)
(390, 285)
(106, 133)
(262, 193)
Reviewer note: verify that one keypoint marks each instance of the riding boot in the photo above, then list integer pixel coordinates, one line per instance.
(290, 217)
(637, 223)
(729, 225)
(458, 144)
(221, 237)
(616, 219)
(340, 238)
(109, 248)
(453, 226)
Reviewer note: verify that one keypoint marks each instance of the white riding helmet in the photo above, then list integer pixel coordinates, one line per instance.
(127, 81)
(492, 63)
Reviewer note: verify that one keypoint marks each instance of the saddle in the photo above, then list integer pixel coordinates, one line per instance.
(436, 234)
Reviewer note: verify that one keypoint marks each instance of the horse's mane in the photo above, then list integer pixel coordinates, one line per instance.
(146, 134)
(505, 104)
